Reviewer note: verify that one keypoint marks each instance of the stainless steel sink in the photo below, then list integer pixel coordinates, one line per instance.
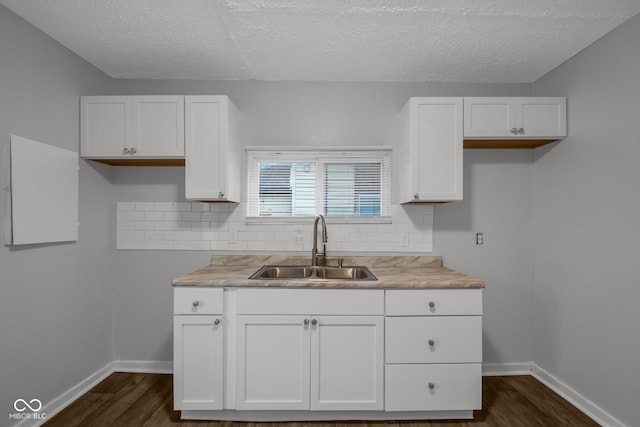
(272, 272)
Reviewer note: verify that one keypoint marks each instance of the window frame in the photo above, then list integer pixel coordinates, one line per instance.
(332, 155)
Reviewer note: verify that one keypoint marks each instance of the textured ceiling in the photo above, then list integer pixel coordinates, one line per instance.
(327, 40)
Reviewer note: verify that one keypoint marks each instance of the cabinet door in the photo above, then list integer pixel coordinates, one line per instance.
(347, 366)
(541, 117)
(489, 117)
(158, 123)
(273, 362)
(197, 362)
(436, 147)
(206, 132)
(105, 125)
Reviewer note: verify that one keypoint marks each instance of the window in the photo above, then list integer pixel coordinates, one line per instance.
(345, 184)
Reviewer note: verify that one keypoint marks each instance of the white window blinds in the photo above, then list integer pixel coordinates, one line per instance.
(339, 184)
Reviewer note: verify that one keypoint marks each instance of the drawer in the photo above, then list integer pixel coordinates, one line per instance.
(447, 339)
(447, 387)
(199, 300)
(434, 302)
(311, 301)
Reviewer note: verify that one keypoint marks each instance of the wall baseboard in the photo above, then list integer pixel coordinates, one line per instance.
(68, 397)
(592, 410)
(145, 366)
(506, 369)
(166, 367)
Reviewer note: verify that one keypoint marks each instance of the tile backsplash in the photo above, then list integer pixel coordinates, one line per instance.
(222, 227)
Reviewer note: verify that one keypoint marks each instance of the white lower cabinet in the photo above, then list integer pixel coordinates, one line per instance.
(310, 362)
(198, 362)
(433, 350)
(316, 354)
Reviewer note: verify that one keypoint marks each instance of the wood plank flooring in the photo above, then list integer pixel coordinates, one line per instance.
(146, 400)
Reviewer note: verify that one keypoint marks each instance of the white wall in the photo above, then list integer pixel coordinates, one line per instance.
(586, 266)
(497, 201)
(55, 300)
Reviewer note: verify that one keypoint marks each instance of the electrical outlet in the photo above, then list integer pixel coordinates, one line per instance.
(404, 240)
(479, 238)
(233, 237)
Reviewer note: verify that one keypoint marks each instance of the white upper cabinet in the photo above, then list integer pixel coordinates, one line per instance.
(428, 154)
(213, 158)
(130, 127)
(158, 123)
(528, 118)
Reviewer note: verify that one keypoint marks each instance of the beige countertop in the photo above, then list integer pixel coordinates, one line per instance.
(412, 272)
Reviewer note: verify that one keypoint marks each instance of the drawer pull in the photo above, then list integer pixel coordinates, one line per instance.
(431, 343)
(306, 321)
(196, 303)
(216, 322)
(432, 304)
(431, 386)
(314, 322)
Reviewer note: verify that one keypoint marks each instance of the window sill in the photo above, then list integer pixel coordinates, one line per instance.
(306, 219)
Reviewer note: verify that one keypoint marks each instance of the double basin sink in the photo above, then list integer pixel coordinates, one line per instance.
(273, 272)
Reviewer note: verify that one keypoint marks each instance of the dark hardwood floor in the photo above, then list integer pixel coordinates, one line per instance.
(127, 399)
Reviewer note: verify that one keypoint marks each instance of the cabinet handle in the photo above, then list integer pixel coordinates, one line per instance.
(416, 196)
(125, 151)
(431, 343)
(514, 131)
(196, 303)
(432, 304)
(216, 322)
(306, 321)
(314, 322)
(133, 151)
(521, 131)
(431, 386)
(221, 195)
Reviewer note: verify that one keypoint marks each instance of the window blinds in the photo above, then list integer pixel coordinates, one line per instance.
(302, 184)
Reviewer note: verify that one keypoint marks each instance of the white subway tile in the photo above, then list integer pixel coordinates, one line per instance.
(125, 244)
(257, 246)
(144, 225)
(179, 244)
(163, 225)
(172, 235)
(182, 206)
(210, 216)
(134, 216)
(219, 246)
(126, 225)
(172, 216)
(182, 225)
(265, 236)
(201, 226)
(191, 216)
(199, 207)
(134, 235)
(126, 206)
(153, 216)
(153, 235)
(163, 206)
(246, 236)
(199, 245)
(144, 206)
(219, 207)
(191, 235)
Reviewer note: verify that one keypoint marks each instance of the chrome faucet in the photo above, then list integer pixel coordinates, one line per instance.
(314, 251)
